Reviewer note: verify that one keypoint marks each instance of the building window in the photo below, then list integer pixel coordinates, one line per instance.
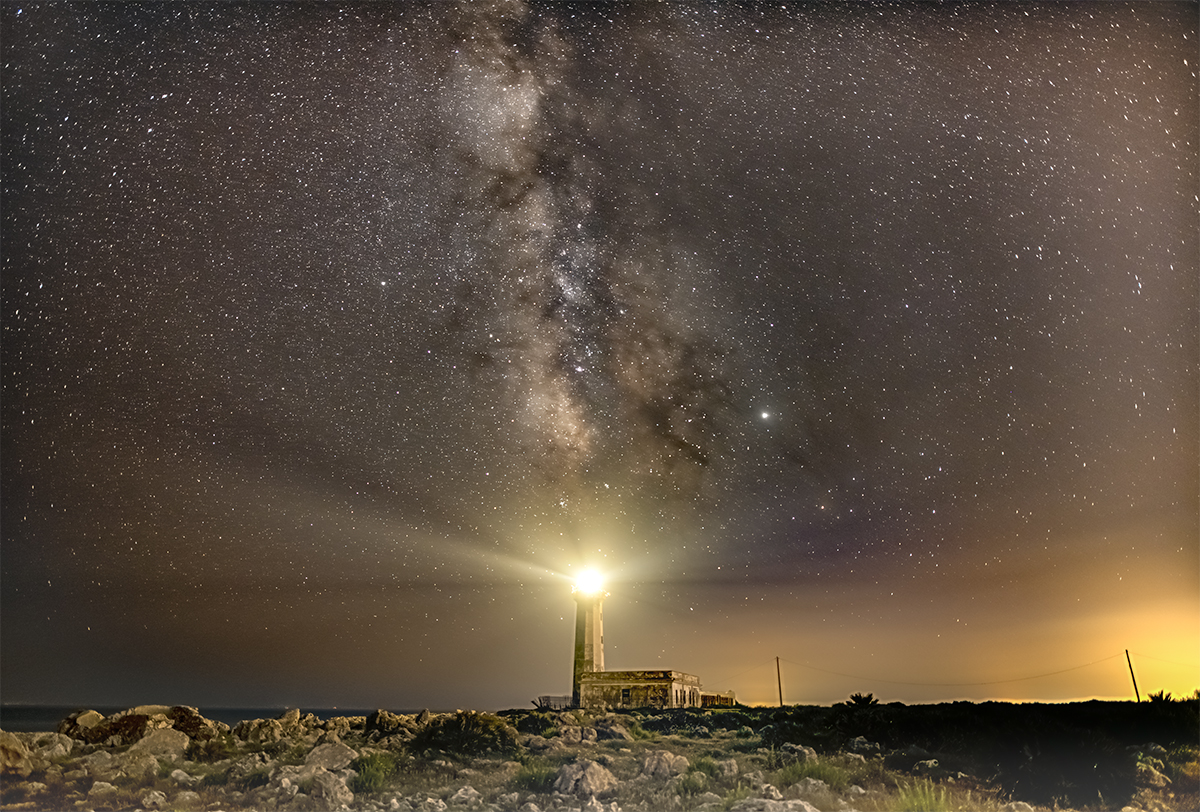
(624, 696)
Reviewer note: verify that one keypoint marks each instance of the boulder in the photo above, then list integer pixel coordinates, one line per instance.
(165, 743)
(15, 758)
(101, 789)
(584, 778)
(768, 805)
(137, 764)
(188, 720)
(798, 752)
(259, 731)
(728, 768)
(663, 764)
(100, 765)
(129, 726)
(813, 790)
(182, 778)
(186, 798)
(52, 745)
(385, 723)
(1016, 806)
(331, 756)
(467, 796)
(859, 744)
(329, 790)
(1148, 776)
(154, 800)
(80, 724)
(613, 732)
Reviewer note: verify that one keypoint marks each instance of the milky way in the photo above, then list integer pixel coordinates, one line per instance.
(336, 338)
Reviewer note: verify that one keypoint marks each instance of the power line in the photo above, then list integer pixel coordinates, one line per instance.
(954, 684)
(1161, 660)
(738, 674)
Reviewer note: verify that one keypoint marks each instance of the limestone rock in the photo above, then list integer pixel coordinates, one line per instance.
(612, 732)
(331, 756)
(186, 798)
(663, 764)
(584, 778)
(187, 719)
(728, 768)
(710, 800)
(1016, 806)
(799, 752)
(137, 764)
(771, 792)
(259, 731)
(329, 790)
(163, 743)
(768, 805)
(101, 789)
(154, 800)
(129, 726)
(182, 778)
(467, 796)
(80, 724)
(1148, 776)
(15, 758)
(51, 745)
(813, 790)
(859, 744)
(385, 723)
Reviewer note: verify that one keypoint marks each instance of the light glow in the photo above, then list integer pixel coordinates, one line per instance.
(589, 582)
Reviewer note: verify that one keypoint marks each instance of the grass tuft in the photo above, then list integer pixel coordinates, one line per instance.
(837, 778)
(921, 796)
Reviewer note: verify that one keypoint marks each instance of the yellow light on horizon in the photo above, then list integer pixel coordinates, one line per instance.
(589, 582)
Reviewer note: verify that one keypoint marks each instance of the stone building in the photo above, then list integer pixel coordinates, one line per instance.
(592, 686)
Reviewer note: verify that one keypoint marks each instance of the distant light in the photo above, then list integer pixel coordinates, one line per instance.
(589, 582)
(765, 415)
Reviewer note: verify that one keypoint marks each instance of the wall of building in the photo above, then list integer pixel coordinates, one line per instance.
(640, 689)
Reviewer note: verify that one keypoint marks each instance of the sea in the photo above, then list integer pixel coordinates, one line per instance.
(41, 718)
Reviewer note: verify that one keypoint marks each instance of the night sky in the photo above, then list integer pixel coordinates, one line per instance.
(337, 338)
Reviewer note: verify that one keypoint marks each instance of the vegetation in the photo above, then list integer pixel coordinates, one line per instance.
(836, 777)
(467, 733)
(922, 796)
(375, 771)
(536, 775)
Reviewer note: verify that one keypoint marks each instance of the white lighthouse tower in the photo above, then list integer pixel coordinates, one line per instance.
(589, 596)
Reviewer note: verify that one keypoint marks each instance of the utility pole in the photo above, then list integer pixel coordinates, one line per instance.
(1132, 677)
(779, 681)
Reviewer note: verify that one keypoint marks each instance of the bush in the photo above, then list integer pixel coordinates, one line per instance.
(374, 770)
(705, 765)
(922, 796)
(535, 775)
(469, 734)
(692, 783)
(218, 748)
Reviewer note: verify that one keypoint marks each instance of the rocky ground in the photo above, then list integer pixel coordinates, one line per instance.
(172, 758)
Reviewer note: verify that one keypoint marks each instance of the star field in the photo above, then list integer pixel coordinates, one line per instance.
(336, 338)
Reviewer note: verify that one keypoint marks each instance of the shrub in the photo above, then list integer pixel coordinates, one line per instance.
(467, 733)
(636, 730)
(922, 796)
(739, 793)
(214, 749)
(692, 783)
(705, 765)
(535, 775)
(374, 770)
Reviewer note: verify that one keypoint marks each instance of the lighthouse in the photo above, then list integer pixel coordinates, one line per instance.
(589, 596)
